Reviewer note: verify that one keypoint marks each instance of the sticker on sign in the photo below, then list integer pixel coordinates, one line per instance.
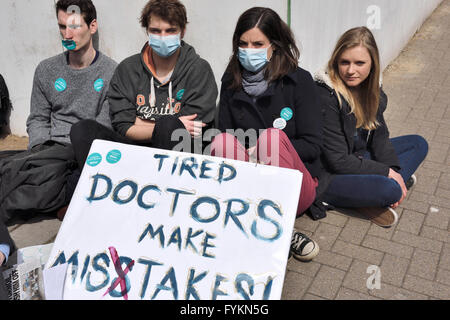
(169, 225)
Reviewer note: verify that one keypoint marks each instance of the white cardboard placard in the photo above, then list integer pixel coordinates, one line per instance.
(185, 226)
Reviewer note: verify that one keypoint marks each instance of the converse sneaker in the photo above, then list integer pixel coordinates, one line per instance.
(384, 217)
(302, 247)
(411, 182)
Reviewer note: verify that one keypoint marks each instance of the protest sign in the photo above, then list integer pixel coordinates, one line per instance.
(154, 224)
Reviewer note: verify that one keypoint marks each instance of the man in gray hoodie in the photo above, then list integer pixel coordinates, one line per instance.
(70, 86)
(164, 88)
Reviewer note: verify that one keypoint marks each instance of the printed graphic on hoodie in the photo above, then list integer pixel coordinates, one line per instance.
(146, 112)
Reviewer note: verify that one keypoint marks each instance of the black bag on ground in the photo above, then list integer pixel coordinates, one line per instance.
(35, 180)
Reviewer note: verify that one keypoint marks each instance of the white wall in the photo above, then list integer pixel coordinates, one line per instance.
(318, 25)
(29, 33)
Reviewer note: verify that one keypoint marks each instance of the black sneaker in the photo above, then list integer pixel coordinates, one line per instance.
(411, 182)
(302, 247)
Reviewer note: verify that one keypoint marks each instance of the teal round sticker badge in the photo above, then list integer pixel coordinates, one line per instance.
(287, 114)
(180, 94)
(98, 85)
(113, 156)
(60, 85)
(94, 159)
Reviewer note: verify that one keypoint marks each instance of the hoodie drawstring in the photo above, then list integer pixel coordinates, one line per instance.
(170, 98)
(153, 95)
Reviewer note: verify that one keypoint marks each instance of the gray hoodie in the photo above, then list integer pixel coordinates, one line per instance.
(135, 92)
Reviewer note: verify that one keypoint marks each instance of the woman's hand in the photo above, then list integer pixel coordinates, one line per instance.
(193, 127)
(398, 178)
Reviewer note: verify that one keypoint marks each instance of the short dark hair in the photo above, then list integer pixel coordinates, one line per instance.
(87, 8)
(285, 55)
(172, 11)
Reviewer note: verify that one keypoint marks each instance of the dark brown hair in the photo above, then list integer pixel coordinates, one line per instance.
(172, 11)
(285, 52)
(87, 8)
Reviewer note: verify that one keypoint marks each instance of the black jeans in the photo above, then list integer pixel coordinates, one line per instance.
(85, 132)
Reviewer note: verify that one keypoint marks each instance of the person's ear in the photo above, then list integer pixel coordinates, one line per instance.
(183, 33)
(93, 27)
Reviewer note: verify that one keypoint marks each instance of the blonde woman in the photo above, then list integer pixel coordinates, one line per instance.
(363, 168)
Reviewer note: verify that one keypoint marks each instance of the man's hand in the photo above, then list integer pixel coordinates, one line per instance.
(193, 127)
(398, 178)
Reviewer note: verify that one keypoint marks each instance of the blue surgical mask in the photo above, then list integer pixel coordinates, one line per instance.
(253, 59)
(69, 44)
(165, 46)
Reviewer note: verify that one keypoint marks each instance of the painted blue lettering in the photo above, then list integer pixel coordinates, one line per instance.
(123, 184)
(176, 197)
(170, 276)
(97, 267)
(261, 213)
(190, 236)
(119, 294)
(140, 198)
(174, 166)
(149, 264)
(85, 267)
(231, 214)
(216, 292)
(200, 201)
(188, 166)
(175, 238)
(205, 168)
(238, 284)
(268, 288)
(190, 289)
(92, 196)
(206, 245)
(232, 172)
(161, 158)
(149, 229)
(73, 260)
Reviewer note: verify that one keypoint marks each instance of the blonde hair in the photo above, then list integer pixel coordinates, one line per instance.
(365, 109)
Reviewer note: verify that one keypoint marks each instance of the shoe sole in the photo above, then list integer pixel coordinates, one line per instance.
(381, 220)
(309, 256)
(414, 179)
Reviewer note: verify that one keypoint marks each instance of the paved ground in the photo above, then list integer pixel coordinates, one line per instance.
(414, 256)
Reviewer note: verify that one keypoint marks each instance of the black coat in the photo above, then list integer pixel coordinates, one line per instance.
(35, 180)
(237, 110)
(339, 132)
(5, 239)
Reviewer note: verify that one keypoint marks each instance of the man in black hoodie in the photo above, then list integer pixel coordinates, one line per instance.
(164, 88)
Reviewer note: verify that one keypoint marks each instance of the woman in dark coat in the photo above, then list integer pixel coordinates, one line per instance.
(364, 169)
(265, 92)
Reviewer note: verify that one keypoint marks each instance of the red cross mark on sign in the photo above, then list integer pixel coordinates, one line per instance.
(121, 274)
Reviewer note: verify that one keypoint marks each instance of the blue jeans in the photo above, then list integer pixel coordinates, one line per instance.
(353, 191)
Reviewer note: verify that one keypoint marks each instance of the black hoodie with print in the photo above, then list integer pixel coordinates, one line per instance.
(135, 92)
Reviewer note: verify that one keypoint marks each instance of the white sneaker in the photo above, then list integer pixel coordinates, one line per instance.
(302, 247)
